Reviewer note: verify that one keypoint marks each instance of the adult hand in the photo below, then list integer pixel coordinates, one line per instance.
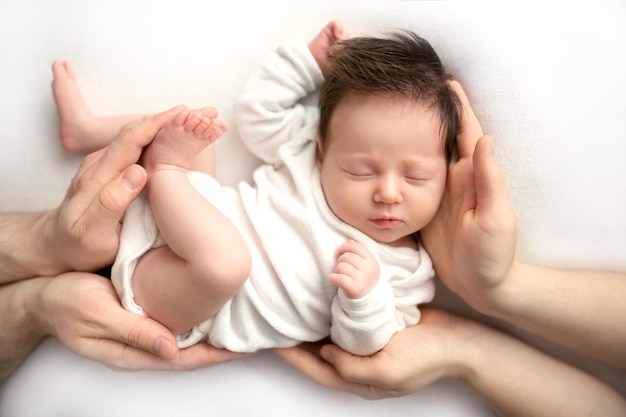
(469, 129)
(84, 229)
(83, 311)
(413, 359)
(443, 346)
(472, 241)
(473, 237)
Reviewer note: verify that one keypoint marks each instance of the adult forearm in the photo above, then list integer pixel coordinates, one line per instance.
(18, 336)
(582, 310)
(518, 380)
(26, 246)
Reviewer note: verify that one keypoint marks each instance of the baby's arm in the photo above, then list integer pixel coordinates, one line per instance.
(364, 310)
(270, 111)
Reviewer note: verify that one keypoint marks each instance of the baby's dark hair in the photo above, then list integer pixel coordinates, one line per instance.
(402, 65)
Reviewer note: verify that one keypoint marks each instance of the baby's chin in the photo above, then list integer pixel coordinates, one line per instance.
(409, 241)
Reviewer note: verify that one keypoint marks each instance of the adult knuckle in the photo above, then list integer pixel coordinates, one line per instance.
(88, 160)
(79, 181)
(127, 129)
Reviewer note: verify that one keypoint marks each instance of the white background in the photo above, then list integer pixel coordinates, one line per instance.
(547, 81)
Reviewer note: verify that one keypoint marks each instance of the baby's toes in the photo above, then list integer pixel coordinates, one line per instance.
(222, 125)
(203, 127)
(192, 122)
(218, 129)
(210, 112)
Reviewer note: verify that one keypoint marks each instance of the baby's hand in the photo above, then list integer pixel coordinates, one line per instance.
(319, 47)
(356, 271)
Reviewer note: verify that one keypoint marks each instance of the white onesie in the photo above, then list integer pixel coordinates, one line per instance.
(291, 233)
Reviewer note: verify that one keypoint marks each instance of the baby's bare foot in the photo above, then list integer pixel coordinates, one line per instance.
(180, 140)
(74, 115)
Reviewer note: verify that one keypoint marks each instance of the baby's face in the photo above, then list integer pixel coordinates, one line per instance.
(383, 168)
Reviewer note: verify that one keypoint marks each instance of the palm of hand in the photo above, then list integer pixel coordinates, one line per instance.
(472, 238)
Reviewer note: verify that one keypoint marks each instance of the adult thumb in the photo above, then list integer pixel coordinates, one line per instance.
(489, 179)
(115, 197)
(148, 335)
(122, 192)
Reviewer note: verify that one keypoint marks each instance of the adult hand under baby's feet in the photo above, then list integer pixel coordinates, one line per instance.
(356, 271)
(331, 33)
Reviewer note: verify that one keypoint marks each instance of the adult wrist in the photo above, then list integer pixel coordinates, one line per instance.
(465, 352)
(19, 325)
(27, 246)
(473, 358)
(45, 258)
(34, 303)
(497, 300)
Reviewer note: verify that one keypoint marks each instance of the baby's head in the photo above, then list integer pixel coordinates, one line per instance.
(403, 65)
(388, 123)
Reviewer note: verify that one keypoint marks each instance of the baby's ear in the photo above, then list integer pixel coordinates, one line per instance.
(319, 151)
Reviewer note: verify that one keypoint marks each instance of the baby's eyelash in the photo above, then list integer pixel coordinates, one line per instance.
(358, 173)
(419, 178)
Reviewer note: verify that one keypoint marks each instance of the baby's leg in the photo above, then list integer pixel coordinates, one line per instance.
(80, 130)
(206, 260)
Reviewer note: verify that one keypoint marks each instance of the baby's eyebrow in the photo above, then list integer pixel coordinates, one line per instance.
(358, 158)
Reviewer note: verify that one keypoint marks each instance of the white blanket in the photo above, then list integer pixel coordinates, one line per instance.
(547, 81)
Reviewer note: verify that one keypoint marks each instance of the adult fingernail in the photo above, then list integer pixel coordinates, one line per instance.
(162, 347)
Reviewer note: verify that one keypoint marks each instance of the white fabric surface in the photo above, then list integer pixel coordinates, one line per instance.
(546, 80)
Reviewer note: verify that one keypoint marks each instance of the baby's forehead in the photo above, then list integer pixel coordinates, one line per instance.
(374, 120)
(379, 107)
(390, 122)
(386, 98)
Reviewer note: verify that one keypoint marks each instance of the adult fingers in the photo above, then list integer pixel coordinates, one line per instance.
(460, 193)
(201, 355)
(126, 149)
(98, 224)
(82, 179)
(308, 361)
(361, 375)
(141, 333)
(121, 356)
(137, 342)
(101, 167)
(492, 195)
(351, 367)
(108, 207)
(469, 130)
